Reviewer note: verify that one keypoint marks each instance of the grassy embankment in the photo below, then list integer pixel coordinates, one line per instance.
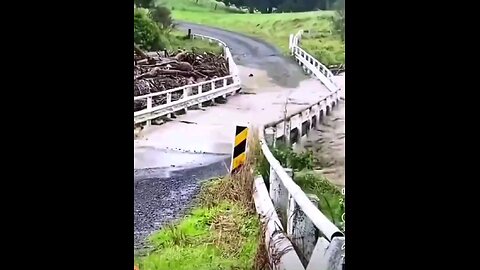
(323, 42)
(222, 232)
(177, 41)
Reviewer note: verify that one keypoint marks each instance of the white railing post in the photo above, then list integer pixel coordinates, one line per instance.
(225, 85)
(149, 103)
(169, 100)
(290, 38)
(199, 92)
(212, 87)
(301, 229)
(186, 93)
(149, 106)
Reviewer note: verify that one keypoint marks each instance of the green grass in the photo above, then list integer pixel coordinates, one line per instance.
(220, 237)
(323, 42)
(177, 41)
(331, 200)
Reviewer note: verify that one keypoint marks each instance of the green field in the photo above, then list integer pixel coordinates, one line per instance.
(323, 42)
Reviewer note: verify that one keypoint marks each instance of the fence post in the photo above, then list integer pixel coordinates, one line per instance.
(301, 229)
(189, 35)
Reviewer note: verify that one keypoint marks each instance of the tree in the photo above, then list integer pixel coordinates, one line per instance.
(339, 22)
(162, 16)
(146, 33)
(144, 3)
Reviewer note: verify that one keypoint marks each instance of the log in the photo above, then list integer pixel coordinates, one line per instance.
(155, 73)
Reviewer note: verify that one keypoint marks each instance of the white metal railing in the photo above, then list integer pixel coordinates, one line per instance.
(303, 217)
(224, 86)
(311, 64)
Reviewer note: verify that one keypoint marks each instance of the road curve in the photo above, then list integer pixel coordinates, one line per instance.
(161, 194)
(254, 53)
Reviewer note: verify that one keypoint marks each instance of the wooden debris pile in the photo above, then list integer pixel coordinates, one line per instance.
(155, 72)
(337, 69)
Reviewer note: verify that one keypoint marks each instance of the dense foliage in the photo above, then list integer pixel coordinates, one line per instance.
(146, 32)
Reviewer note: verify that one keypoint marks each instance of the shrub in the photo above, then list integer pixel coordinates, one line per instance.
(162, 16)
(146, 33)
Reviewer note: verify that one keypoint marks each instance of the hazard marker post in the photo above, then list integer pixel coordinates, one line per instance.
(239, 153)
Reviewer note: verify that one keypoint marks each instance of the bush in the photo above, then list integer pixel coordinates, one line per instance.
(288, 158)
(162, 16)
(146, 33)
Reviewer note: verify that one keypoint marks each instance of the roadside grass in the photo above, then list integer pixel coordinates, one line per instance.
(331, 201)
(322, 41)
(222, 232)
(220, 237)
(177, 40)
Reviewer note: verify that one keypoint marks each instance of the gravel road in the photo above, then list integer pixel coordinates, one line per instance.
(254, 53)
(162, 195)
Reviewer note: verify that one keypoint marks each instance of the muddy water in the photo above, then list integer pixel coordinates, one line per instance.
(327, 141)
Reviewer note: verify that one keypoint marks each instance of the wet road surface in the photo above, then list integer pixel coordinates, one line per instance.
(254, 53)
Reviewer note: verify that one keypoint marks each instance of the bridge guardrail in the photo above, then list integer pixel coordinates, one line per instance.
(310, 64)
(301, 217)
(224, 86)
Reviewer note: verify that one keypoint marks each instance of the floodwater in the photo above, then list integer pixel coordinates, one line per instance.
(327, 141)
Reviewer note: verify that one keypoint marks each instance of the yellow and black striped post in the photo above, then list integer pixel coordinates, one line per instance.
(239, 148)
